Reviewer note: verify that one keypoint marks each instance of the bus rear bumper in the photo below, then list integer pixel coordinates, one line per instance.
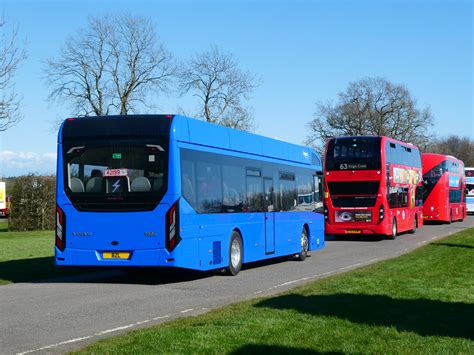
(123, 258)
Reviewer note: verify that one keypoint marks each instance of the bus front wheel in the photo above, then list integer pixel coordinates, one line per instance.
(393, 236)
(235, 254)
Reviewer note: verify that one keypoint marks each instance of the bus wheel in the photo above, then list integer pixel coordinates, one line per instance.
(304, 245)
(235, 254)
(393, 236)
(415, 225)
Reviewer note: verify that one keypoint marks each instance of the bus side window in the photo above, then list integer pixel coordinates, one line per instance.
(187, 181)
(209, 187)
(254, 184)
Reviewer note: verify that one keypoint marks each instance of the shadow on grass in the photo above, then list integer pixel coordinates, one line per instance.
(453, 245)
(421, 316)
(42, 270)
(274, 349)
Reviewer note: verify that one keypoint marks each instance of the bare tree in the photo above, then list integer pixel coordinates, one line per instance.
(221, 88)
(112, 66)
(460, 147)
(372, 106)
(11, 57)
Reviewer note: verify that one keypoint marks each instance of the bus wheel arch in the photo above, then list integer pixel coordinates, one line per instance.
(235, 253)
(304, 242)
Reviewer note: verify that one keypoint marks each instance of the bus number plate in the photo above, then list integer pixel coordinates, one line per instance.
(115, 255)
(353, 231)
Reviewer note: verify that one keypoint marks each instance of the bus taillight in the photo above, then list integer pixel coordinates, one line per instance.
(172, 227)
(381, 213)
(60, 229)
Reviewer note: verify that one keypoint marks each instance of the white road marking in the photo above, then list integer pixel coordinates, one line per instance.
(57, 344)
(104, 332)
(373, 260)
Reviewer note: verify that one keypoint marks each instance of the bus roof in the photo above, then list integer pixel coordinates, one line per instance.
(189, 130)
(440, 157)
(383, 138)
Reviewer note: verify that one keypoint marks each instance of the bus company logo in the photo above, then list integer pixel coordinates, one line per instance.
(82, 234)
(116, 186)
(305, 154)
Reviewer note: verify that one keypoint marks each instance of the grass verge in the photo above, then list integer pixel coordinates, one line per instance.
(27, 256)
(422, 302)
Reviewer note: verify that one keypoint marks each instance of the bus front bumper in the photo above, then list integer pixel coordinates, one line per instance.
(357, 228)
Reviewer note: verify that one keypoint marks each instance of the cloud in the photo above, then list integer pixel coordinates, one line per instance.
(20, 163)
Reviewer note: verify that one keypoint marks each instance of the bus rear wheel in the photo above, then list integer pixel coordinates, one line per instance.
(393, 236)
(304, 245)
(235, 254)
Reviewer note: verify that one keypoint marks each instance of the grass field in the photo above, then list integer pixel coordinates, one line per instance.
(422, 302)
(27, 256)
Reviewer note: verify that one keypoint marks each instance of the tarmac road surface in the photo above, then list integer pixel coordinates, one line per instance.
(55, 316)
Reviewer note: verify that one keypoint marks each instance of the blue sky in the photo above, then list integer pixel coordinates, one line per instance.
(303, 51)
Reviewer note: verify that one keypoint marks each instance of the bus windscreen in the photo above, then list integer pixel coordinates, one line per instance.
(353, 153)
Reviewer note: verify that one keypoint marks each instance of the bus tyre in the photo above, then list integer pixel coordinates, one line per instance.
(393, 236)
(415, 225)
(235, 254)
(301, 256)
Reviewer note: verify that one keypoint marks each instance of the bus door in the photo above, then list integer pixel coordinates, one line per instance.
(269, 216)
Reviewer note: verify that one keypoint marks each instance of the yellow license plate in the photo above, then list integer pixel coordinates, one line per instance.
(115, 255)
(353, 231)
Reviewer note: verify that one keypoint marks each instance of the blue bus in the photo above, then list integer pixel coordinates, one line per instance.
(172, 191)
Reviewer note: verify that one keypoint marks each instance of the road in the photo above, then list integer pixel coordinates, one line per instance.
(53, 317)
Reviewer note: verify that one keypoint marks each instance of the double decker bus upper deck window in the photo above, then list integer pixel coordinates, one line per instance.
(353, 153)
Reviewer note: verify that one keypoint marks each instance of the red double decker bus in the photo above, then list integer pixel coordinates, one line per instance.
(5, 212)
(373, 186)
(444, 186)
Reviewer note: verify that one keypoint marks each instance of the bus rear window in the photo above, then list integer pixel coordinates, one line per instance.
(112, 176)
(353, 153)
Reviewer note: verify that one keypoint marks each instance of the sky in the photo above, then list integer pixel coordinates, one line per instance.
(304, 52)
